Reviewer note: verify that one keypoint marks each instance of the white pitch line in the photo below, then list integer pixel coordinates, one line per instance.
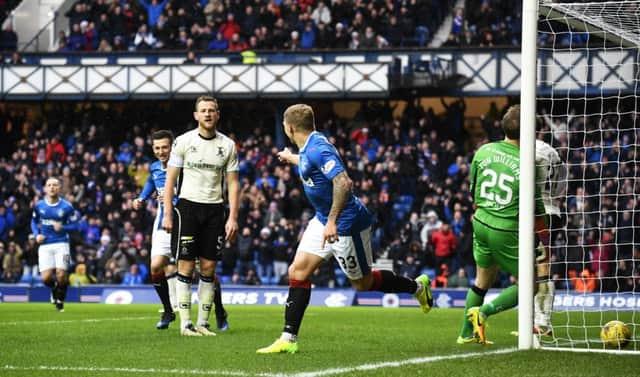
(395, 364)
(129, 370)
(318, 373)
(95, 320)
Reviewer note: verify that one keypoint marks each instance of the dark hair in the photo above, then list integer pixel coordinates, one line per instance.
(206, 99)
(511, 123)
(162, 134)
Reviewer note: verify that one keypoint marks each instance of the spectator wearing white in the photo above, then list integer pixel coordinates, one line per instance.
(432, 224)
(559, 128)
(381, 42)
(354, 43)
(321, 14)
(144, 39)
(294, 43)
(340, 38)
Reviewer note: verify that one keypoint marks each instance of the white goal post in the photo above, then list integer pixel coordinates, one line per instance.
(580, 93)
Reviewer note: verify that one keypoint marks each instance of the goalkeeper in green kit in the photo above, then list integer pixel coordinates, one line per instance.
(495, 181)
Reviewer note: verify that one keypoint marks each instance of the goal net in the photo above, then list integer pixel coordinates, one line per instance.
(588, 110)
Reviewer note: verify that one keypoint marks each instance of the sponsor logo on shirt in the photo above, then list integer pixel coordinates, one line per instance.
(328, 166)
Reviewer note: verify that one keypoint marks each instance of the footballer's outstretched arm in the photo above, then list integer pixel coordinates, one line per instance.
(286, 155)
(342, 185)
(167, 197)
(233, 189)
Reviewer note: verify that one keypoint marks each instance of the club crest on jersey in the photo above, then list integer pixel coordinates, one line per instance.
(220, 152)
(328, 166)
(60, 213)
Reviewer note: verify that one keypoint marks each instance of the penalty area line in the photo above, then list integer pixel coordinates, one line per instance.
(318, 373)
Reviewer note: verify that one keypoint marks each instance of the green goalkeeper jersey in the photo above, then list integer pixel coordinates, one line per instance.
(495, 181)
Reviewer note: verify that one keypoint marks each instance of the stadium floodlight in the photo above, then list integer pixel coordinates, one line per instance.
(583, 98)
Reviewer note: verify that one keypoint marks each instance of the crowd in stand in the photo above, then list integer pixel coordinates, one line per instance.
(216, 25)
(412, 172)
(486, 23)
(287, 25)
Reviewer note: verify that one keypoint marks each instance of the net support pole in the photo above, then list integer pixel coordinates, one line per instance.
(527, 174)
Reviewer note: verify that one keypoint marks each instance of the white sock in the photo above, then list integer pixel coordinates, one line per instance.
(205, 298)
(537, 300)
(546, 304)
(171, 282)
(288, 337)
(419, 289)
(183, 294)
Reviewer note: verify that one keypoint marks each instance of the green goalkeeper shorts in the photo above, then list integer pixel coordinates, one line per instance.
(493, 246)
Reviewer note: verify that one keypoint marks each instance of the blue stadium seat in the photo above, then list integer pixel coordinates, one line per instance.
(430, 272)
(406, 199)
(341, 278)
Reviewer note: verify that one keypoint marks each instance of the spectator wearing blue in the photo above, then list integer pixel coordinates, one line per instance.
(458, 22)
(93, 231)
(154, 10)
(77, 40)
(266, 179)
(133, 276)
(125, 154)
(7, 221)
(308, 36)
(218, 43)
(8, 39)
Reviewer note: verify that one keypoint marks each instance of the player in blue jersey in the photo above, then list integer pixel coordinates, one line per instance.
(53, 218)
(341, 228)
(163, 269)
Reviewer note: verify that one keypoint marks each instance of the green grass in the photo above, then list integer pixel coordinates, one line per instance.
(108, 340)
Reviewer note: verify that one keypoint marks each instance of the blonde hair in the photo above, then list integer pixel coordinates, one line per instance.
(300, 116)
(511, 123)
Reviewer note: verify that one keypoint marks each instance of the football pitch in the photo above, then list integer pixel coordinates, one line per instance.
(121, 340)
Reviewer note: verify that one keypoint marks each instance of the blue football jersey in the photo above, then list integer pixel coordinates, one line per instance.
(319, 164)
(46, 214)
(155, 182)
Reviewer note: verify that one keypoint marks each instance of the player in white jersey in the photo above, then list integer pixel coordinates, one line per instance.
(551, 178)
(205, 157)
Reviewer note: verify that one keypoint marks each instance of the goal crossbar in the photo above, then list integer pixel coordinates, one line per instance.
(596, 17)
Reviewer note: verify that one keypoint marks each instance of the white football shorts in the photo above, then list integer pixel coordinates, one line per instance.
(54, 255)
(160, 240)
(353, 253)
